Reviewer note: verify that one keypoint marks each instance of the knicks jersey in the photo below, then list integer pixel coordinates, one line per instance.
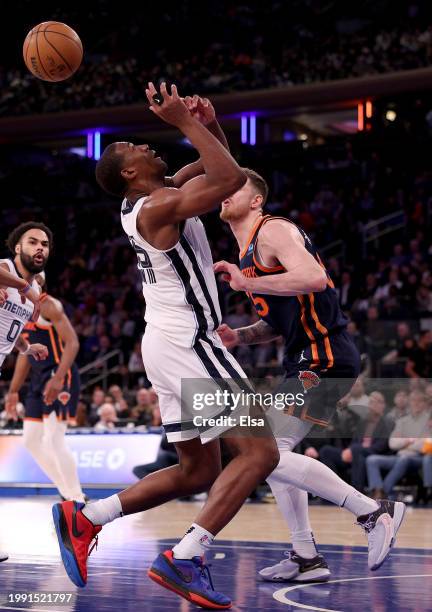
(13, 314)
(178, 284)
(304, 320)
(43, 332)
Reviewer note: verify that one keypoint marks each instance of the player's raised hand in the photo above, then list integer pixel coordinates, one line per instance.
(228, 335)
(11, 401)
(3, 296)
(201, 109)
(170, 108)
(231, 274)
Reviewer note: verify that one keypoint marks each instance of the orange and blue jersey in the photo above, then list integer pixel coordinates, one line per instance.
(44, 332)
(304, 321)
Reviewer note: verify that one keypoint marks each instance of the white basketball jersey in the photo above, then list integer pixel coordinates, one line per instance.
(179, 284)
(13, 314)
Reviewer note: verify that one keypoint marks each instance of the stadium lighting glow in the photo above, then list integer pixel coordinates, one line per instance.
(369, 109)
(390, 115)
(360, 117)
(97, 145)
(252, 130)
(303, 136)
(244, 129)
(90, 145)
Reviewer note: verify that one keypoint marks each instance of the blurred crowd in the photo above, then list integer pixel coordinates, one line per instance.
(240, 47)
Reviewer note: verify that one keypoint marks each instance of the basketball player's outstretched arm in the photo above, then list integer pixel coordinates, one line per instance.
(252, 334)
(202, 110)
(280, 243)
(53, 311)
(25, 290)
(22, 368)
(222, 175)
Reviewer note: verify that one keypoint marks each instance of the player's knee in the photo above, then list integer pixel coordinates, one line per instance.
(266, 455)
(200, 476)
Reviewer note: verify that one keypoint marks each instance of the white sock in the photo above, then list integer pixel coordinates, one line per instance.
(103, 511)
(33, 440)
(293, 504)
(55, 441)
(315, 477)
(194, 543)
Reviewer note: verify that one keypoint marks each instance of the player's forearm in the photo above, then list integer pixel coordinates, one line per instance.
(256, 333)
(297, 282)
(69, 354)
(215, 129)
(9, 280)
(22, 368)
(219, 166)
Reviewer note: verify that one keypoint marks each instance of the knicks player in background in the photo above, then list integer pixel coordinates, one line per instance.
(53, 394)
(20, 293)
(283, 275)
(180, 341)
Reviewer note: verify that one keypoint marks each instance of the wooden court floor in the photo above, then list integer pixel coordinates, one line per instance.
(255, 538)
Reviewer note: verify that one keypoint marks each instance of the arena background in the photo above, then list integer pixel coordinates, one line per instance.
(332, 103)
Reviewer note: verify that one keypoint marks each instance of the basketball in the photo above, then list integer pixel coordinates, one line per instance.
(52, 51)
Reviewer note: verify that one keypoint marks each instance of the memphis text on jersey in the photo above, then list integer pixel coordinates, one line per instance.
(20, 311)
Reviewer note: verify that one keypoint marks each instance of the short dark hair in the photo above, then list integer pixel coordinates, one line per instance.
(16, 234)
(258, 182)
(108, 171)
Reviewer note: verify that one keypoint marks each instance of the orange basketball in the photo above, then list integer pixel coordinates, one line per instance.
(52, 51)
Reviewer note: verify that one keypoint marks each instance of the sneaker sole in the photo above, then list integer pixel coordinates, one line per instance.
(398, 517)
(317, 575)
(163, 580)
(3, 558)
(67, 556)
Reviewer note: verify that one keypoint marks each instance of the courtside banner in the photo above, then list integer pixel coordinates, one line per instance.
(101, 458)
(334, 407)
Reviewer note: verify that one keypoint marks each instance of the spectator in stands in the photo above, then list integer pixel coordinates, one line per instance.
(400, 406)
(346, 291)
(120, 404)
(98, 398)
(371, 437)
(406, 440)
(419, 364)
(403, 334)
(357, 401)
(108, 418)
(81, 417)
(142, 412)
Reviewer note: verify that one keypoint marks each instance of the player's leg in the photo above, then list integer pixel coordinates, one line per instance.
(33, 440)
(303, 563)
(59, 452)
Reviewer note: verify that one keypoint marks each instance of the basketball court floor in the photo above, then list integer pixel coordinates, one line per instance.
(255, 538)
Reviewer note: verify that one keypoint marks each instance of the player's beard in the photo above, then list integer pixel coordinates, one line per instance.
(30, 265)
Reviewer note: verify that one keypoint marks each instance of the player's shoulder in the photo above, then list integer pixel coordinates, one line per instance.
(50, 306)
(278, 226)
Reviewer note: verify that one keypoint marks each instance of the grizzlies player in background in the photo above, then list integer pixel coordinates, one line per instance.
(53, 394)
(180, 341)
(283, 275)
(20, 295)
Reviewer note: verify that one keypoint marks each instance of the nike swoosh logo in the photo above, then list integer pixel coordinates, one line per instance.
(76, 533)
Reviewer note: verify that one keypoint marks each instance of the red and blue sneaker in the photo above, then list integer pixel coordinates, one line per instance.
(189, 578)
(75, 533)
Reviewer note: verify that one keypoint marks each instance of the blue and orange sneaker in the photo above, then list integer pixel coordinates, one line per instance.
(189, 578)
(75, 533)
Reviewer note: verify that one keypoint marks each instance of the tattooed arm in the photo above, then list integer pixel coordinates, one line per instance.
(252, 334)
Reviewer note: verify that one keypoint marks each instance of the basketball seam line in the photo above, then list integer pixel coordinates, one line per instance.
(39, 57)
(66, 36)
(58, 52)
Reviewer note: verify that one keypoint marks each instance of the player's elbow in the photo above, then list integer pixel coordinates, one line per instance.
(318, 281)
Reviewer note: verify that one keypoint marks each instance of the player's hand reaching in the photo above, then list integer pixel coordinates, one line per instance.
(11, 401)
(52, 390)
(201, 109)
(228, 335)
(172, 109)
(232, 275)
(3, 296)
(38, 351)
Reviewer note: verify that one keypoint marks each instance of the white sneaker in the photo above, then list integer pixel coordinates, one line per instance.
(297, 569)
(381, 528)
(3, 556)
